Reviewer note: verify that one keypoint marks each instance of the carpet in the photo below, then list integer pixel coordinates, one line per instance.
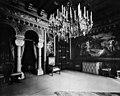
(71, 93)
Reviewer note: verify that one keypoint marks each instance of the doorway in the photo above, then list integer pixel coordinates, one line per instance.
(7, 47)
(29, 59)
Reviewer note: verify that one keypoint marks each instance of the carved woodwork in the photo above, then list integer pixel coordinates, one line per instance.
(22, 20)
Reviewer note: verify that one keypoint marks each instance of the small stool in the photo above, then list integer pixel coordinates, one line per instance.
(118, 73)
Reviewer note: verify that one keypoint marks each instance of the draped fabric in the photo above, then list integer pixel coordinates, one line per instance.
(29, 56)
(12, 55)
(35, 52)
(7, 56)
(7, 51)
(22, 50)
(12, 50)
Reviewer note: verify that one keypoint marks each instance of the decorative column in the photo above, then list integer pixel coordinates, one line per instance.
(71, 63)
(39, 69)
(45, 51)
(70, 47)
(19, 42)
(54, 45)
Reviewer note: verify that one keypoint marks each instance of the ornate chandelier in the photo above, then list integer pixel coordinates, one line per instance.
(69, 22)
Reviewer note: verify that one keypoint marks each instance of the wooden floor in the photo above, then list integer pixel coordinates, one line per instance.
(68, 81)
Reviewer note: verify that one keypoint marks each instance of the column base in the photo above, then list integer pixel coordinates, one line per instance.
(22, 76)
(39, 71)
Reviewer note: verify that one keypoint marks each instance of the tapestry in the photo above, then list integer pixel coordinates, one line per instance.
(71, 93)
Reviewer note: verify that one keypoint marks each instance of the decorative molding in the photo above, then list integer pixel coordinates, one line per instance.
(105, 27)
(22, 17)
(22, 26)
(22, 21)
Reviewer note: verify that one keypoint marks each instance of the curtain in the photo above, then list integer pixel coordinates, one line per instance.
(12, 50)
(9, 54)
(22, 50)
(35, 52)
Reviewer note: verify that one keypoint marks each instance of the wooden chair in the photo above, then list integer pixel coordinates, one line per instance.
(52, 67)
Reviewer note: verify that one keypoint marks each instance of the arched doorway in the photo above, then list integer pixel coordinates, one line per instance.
(29, 59)
(7, 46)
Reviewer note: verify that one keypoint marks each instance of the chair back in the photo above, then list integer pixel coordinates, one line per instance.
(51, 61)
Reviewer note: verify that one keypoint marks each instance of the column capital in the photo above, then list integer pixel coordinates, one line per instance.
(40, 44)
(41, 39)
(21, 37)
(19, 40)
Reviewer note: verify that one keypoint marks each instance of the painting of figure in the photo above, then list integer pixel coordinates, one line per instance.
(104, 45)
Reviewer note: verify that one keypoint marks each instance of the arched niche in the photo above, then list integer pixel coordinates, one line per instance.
(25, 29)
(8, 50)
(30, 52)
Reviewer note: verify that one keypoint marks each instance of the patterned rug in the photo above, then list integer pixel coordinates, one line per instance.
(65, 93)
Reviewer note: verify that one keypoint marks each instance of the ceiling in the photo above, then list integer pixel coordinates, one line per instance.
(103, 10)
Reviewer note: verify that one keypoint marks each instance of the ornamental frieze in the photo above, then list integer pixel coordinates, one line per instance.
(23, 21)
(26, 18)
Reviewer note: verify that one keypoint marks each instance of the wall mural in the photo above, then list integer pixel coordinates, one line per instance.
(104, 45)
(50, 45)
